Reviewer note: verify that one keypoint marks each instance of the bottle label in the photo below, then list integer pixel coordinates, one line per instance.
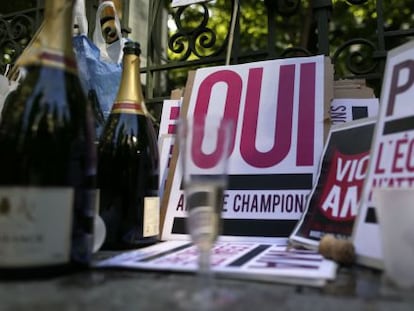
(151, 216)
(35, 226)
(127, 107)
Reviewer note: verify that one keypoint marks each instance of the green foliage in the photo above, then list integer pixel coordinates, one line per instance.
(267, 36)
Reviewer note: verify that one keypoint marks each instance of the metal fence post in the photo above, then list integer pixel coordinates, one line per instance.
(322, 11)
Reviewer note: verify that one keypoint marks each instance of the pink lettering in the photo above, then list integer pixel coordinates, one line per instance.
(306, 121)
(283, 119)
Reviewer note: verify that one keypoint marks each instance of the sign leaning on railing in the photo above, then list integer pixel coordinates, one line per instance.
(279, 108)
(392, 162)
(333, 203)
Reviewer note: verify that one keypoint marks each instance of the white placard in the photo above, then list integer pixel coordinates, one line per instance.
(392, 152)
(166, 137)
(278, 109)
(169, 117)
(165, 145)
(348, 109)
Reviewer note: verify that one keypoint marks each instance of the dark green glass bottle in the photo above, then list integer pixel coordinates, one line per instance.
(128, 164)
(47, 159)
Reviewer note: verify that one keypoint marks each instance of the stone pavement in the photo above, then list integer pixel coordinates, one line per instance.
(354, 289)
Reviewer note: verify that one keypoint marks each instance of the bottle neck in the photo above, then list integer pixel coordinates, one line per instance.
(53, 45)
(129, 98)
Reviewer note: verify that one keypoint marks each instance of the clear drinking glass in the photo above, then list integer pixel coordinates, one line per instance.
(205, 147)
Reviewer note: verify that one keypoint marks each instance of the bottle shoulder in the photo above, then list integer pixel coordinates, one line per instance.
(128, 124)
(49, 102)
(52, 84)
(128, 131)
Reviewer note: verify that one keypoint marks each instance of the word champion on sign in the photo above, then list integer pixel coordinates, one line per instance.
(259, 203)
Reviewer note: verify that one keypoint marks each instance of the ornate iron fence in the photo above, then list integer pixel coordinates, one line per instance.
(308, 27)
(17, 27)
(16, 30)
(287, 28)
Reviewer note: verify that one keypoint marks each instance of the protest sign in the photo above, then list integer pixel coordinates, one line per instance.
(278, 107)
(333, 203)
(392, 161)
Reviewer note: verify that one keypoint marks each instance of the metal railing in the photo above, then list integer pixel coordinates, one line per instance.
(360, 54)
(287, 28)
(17, 28)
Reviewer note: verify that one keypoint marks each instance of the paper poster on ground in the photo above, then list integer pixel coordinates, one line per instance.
(246, 260)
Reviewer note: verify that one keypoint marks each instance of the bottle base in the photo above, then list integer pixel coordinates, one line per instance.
(121, 245)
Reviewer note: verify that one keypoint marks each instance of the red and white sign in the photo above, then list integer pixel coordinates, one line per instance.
(347, 171)
(166, 137)
(334, 201)
(392, 158)
(278, 109)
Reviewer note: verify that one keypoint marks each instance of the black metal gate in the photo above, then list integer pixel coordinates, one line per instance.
(309, 27)
(288, 28)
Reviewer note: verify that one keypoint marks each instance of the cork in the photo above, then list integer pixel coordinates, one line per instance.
(341, 251)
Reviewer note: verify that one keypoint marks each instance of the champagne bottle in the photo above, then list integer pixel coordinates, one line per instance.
(47, 159)
(98, 114)
(128, 164)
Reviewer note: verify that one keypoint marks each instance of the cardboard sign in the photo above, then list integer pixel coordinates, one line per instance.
(392, 158)
(166, 136)
(334, 201)
(169, 117)
(165, 147)
(278, 109)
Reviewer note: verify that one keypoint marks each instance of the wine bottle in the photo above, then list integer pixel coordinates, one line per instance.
(128, 164)
(47, 159)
